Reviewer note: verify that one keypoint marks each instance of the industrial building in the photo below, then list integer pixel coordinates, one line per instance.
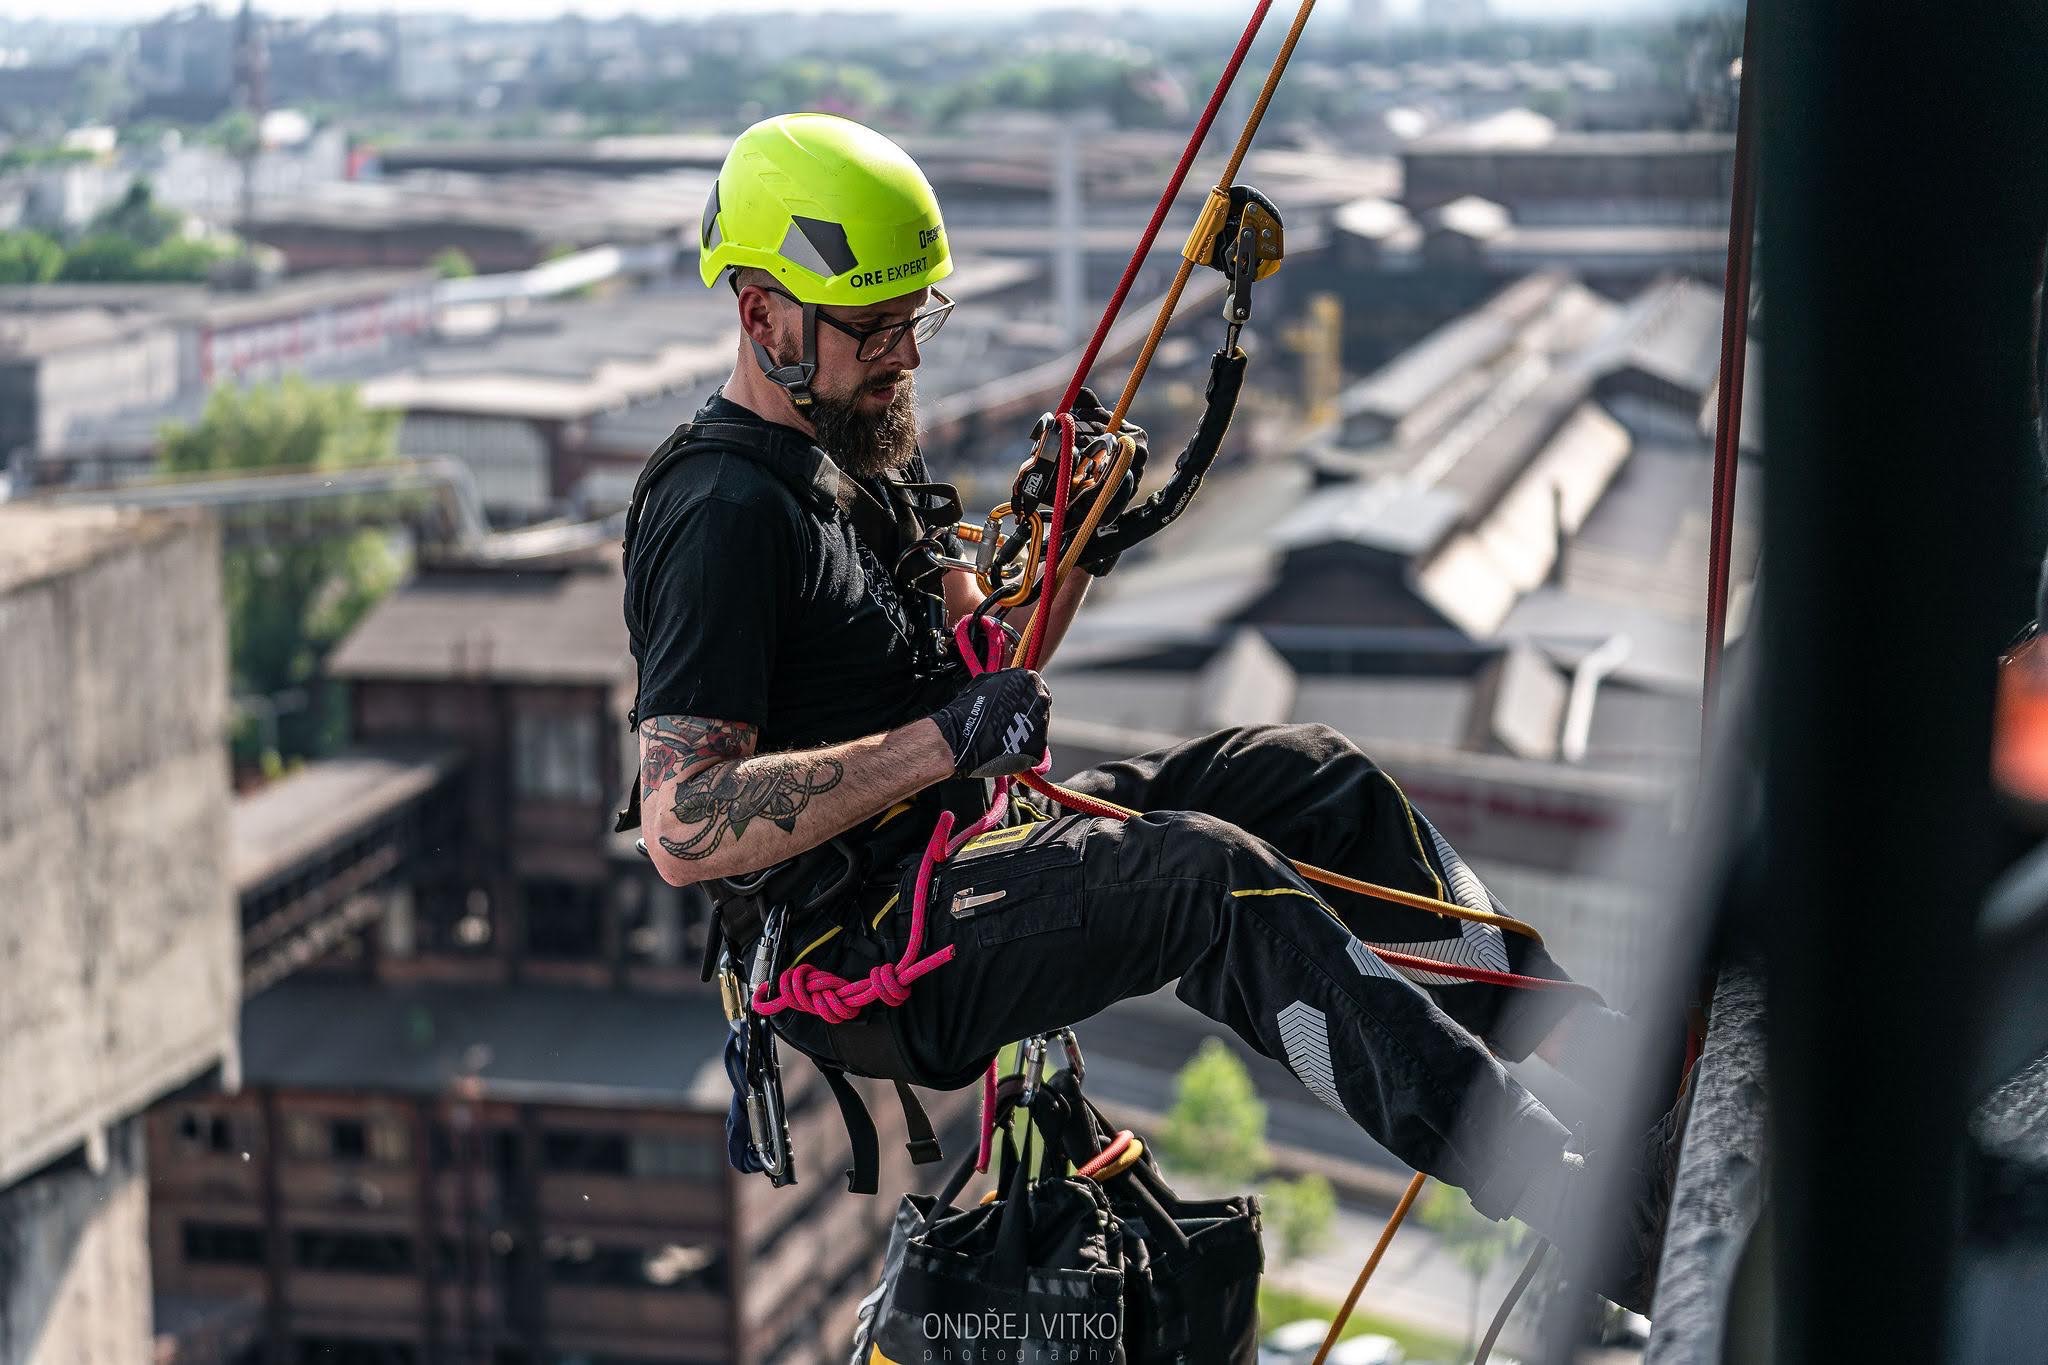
(119, 942)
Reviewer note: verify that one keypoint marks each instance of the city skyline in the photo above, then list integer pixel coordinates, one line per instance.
(128, 11)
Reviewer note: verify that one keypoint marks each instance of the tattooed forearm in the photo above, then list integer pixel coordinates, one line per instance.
(730, 796)
(673, 745)
(714, 808)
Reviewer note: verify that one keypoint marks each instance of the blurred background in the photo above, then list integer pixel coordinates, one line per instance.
(336, 1026)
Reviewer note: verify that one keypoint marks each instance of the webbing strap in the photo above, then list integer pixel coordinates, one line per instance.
(863, 1177)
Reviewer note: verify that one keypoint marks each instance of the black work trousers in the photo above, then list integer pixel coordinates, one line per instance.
(1055, 919)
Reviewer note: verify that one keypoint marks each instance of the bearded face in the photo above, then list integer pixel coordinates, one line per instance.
(868, 428)
(863, 411)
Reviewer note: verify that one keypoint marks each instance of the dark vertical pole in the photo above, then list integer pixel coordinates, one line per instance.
(277, 1349)
(465, 1129)
(1896, 273)
(427, 1224)
(521, 1182)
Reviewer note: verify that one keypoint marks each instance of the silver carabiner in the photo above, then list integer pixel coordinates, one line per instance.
(1032, 1067)
(1072, 1047)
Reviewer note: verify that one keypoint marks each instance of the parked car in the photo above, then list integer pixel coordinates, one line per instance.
(1293, 1343)
(1369, 1349)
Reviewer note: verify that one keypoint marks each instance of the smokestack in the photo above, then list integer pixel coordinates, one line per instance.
(1069, 283)
(251, 68)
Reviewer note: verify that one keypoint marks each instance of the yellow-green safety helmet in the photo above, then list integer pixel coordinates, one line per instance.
(839, 214)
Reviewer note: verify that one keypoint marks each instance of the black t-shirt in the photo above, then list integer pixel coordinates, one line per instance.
(750, 597)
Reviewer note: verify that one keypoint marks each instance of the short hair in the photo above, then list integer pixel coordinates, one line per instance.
(744, 275)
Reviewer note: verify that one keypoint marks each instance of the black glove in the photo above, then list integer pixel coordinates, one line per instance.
(1091, 419)
(997, 726)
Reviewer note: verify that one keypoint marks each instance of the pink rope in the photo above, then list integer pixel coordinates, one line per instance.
(809, 989)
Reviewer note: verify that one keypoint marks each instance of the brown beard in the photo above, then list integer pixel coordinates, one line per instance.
(868, 444)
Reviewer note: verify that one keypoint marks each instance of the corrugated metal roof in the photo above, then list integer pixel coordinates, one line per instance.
(294, 818)
(540, 1043)
(522, 625)
(1475, 579)
(1427, 711)
(1670, 331)
(1665, 653)
(1388, 514)
(1404, 383)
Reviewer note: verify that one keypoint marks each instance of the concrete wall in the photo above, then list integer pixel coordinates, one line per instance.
(134, 369)
(74, 1262)
(118, 938)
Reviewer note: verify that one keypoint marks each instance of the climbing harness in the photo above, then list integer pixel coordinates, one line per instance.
(751, 913)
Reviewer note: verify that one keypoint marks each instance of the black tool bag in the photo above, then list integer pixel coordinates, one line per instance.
(1191, 1266)
(1032, 1278)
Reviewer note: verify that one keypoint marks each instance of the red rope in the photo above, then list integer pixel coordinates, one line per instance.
(1728, 427)
(1173, 184)
(1055, 532)
(1728, 401)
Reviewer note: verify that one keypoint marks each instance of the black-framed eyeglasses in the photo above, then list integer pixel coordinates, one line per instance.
(872, 343)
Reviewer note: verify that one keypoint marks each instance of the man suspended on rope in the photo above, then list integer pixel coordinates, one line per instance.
(803, 719)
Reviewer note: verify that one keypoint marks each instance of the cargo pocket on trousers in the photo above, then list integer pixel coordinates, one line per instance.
(1016, 883)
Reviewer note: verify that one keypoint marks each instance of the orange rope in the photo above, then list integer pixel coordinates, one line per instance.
(1372, 1263)
(1096, 805)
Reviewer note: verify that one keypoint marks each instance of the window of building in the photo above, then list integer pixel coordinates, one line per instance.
(660, 925)
(589, 1153)
(577, 1260)
(224, 1244)
(200, 1131)
(353, 1253)
(306, 1137)
(452, 918)
(564, 920)
(347, 1140)
(676, 1158)
(555, 756)
(390, 1140)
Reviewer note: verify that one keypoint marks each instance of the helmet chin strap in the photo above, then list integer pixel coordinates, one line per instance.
(794, 380)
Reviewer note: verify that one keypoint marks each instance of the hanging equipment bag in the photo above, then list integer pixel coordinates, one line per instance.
(1034, 1277)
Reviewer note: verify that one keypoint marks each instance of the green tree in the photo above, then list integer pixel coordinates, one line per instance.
(453, 263)
(1475, 1241)
(1301, 1213)
(1217, 1126)
(289, 602)
(102, 257)
(29, 258)
(138, 217)
(234, 132)
(183, 258)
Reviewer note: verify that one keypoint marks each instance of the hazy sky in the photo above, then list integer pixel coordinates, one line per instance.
(131, 9)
